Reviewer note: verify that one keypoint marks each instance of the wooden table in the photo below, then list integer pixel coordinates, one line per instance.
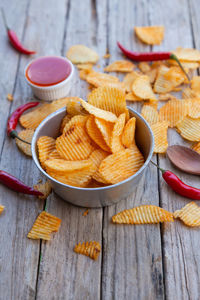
(136, 262)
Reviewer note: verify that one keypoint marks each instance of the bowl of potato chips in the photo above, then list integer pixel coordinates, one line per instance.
(94, 153)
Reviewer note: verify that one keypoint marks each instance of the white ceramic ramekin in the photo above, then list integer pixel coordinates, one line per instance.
(55, 91)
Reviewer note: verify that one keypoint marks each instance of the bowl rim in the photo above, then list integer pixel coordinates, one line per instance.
(61, 110)
(50, 87)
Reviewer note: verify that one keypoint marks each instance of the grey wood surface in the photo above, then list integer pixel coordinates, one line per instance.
(136, 262)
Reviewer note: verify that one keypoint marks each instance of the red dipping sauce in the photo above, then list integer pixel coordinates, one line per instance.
(48, 70)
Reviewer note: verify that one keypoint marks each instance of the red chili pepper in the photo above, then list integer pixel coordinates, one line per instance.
(179, 186)
(151, 56)
(16, 185)
(14, 39)
(13, 119)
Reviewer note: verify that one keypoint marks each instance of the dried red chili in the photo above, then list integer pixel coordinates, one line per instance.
(16, 185)
(14, 39)
(151, 56)
(13, 119)
(179, 186)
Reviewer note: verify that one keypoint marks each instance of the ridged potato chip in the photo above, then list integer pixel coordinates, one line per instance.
(160, 136)
(152, 74)
(97, 112)
(54, 155)
(44, 225)
(85, 66)
(44, 188)
(79, 119)
(166, 97)
(95, 134)
(189, 129)
(128, 135)
(45, 146)
(188, 93)
(79, 54)
(84, 73)
(144, 66)
(65, 120)
(173, 111)
(62, 166)
(74, 143)
(132, 97)
(32, 119)
(121, 165)
(74, 107)
(100, 79)
(26, 135)
(194, 107)
(91, 249)
(185, 64)
(195, 84)
(187, 54)
(189, 214)
(120, 66)
(151, 35)
(116, 136)
(1, 208)
(109, 99)
(129, 79)
(97, 156)
(141, 87)
(144, 214)
(106, 129)
(150, 114)
(196, 147)
(59, 103)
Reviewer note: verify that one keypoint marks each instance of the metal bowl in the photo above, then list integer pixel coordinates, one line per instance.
(102, 196)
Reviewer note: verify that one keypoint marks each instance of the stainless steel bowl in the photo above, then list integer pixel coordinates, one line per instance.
(103, 196)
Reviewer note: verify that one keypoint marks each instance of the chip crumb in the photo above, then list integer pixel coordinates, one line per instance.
(10, 97)
(44, 188)
(86, 212)
(91, 249)
(107, 55)
(1, 208)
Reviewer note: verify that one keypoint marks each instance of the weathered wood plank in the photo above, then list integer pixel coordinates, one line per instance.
(180, 243)
(63, 274)
(132, 257)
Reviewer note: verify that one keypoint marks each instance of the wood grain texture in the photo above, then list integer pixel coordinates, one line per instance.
(180, 243)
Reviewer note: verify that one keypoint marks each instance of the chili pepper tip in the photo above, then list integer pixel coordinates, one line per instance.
(4, 19)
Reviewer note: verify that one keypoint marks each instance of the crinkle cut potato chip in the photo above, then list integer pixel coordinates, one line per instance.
(120, 66)
(79, 119)
(144, 214)
(116, 137)
(194, 107)
(196, 147)
(65, 120)
(166, 97)
(128, 135)
(74, 108)
(109, 99)
(97, 156)
(151, 35)
(74, 143)
(95, 134)
(91, 249)
(160, 136)
(44, 188)
(45, 146)
(98, 79)
(191, 65)
(86, 66)
(189, 214)
(150, 114)
(121, 165)
(62, 166)
(129, 79)
(84, 73)
(132, 97)
(105, 128)
(144, 66)
(1, 208)
(141, 87)
(79, 54)
(173, 111)
(189, 129)
(54, 154)
(44, 225)
(97, 112)
(195, 84)
(187, 54)
(188, 93)
(25, 135)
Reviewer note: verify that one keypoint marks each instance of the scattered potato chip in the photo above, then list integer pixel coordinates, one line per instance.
(151, 35)
(129, 79)
(189, 128)
(60, 103)
(185, 64)
(97, 156)
(152, 103)
(121, 165)
(116, 137)
(95, 134)
(173, 111)
(160, 136)
(10, 97)
(86, 66)
(194, 107)
(54, 155)
(1, 208)
(74, 108)
(44, 225)
(187, 54)
(152, 74)
(97, 112)
(141, 87)
(128, 135)
(196, 147)
(44, 188)
(65, 120)
(91, 249)
(120, 66)
(106, 129)
(166, 97)
(74, 143)
(62, 166)
(144, 214)
(144, 66)
(99, 79)
(189, 214)
(109, 99)
(132, 97)
(45, 146)
(195, 84)
(150, 114)
(25, 135)
(84, 73)
(188, 93)
(79, 54)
